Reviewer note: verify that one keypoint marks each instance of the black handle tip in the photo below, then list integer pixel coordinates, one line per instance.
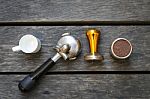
(26, 84)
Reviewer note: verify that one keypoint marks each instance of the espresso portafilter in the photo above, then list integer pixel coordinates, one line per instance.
(68, 47)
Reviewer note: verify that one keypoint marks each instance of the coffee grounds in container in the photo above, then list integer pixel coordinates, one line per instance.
(121, 48)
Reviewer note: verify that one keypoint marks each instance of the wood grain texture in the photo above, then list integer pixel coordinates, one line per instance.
(62, 10)
(20, 62)
(79, 87)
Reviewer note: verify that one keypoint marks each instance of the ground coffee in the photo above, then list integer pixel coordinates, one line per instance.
(121, 48)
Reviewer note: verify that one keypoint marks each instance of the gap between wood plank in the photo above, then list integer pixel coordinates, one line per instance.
(80, 72)
(73, 23)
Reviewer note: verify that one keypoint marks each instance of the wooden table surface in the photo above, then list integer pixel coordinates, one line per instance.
(78, 79)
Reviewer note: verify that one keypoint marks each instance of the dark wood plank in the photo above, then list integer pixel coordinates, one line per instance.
(79, 87)
(61, 10)
(20, 62)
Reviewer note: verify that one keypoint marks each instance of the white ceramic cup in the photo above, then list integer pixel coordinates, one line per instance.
(28, 44)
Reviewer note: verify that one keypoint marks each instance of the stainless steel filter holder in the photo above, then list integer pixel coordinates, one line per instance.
(67, 47)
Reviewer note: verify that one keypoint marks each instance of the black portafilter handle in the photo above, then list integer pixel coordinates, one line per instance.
(29, 81)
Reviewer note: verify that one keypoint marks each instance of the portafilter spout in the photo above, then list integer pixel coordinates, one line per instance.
(67, 47)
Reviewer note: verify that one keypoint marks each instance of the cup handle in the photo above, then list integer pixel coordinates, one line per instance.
(16, 49)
